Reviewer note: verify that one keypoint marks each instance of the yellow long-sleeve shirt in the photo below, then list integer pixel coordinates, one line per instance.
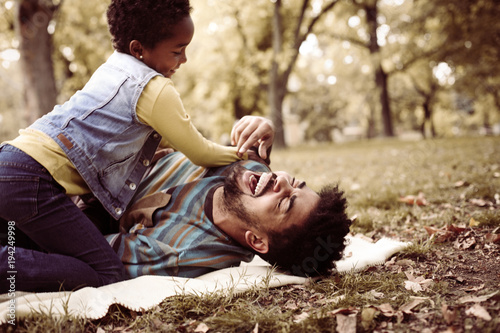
(160, 107)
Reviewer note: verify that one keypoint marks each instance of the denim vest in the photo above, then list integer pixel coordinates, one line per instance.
(99, 131)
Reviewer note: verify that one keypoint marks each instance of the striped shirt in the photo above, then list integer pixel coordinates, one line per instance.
(181, 240)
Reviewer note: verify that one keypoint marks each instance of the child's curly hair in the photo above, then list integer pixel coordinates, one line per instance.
(148, 21)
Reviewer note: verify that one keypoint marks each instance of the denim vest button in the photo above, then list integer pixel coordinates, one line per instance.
(118, 211)
(146, 163)
(132, 186)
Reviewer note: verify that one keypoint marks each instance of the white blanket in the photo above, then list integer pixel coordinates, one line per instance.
(145, 292)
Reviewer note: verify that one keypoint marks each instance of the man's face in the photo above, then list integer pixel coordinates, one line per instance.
(273, 201)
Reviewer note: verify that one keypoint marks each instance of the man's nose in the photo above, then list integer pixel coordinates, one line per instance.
(282, 184)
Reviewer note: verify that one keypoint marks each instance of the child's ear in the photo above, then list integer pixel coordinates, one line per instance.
(135, 48)
(257, 242)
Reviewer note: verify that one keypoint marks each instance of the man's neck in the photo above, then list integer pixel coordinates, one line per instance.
(230, 224)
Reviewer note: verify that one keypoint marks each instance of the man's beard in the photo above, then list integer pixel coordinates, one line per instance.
(233, 202)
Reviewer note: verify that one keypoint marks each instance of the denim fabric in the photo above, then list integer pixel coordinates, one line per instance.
(73, 252)
(99, 131)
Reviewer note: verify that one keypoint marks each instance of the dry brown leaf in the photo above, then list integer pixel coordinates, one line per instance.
(345, 311)
(473, 223)
(413, 286)
(480, 202)
(492, 238)
(431, 230)
(346, 324)
(449, 315)
(417, 284)
(300, 317)
(367, 316)
(406, 308)
(477, 288)
(476, 299)
(464, 244)
(387, 310)
(418, 200)
(201, 328)
(478, 311)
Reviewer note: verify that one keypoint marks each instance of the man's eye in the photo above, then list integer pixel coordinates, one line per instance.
(281, 201)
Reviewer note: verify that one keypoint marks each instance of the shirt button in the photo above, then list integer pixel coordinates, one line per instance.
(156, 136)
(118, 211)
(132, 186)
(146, 162)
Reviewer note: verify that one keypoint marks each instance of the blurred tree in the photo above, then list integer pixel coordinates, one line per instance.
(288, 36)
(81, 44)
(32, 23)
(472, 48)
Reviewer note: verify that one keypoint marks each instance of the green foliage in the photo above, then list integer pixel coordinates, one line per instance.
(331, 87)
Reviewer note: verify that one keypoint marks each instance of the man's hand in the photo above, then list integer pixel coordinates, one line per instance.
(253, 131)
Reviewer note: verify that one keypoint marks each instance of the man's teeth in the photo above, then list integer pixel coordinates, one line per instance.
(260, 185)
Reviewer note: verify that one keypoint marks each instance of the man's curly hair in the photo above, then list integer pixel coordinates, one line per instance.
(148, 21)
(312, 248)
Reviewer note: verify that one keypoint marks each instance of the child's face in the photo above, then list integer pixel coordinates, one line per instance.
(169, 54)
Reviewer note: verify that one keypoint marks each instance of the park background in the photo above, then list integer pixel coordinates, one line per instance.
(323, 70)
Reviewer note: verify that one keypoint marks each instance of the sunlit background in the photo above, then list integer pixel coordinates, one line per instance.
(346, 70)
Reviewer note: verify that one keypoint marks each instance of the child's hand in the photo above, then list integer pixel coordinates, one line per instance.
(253, 131)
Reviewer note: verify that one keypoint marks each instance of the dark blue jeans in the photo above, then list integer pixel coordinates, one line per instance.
(67, 250)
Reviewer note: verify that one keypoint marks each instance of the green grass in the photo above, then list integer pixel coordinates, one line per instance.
(451, 174)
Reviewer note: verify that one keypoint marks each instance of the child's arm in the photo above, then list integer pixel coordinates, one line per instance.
(160, 107)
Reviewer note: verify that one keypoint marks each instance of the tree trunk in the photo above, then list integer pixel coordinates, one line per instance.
(380, 76)
(381, 81)
(276, 89)
(35, 47)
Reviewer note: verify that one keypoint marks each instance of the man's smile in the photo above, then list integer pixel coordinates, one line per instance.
(257, 182)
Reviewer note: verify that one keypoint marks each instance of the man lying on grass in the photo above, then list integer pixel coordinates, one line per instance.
(188, 220)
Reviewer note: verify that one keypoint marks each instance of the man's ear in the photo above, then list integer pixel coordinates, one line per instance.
(256, 242)
(135, 48)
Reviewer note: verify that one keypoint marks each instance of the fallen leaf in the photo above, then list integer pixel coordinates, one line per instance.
(473, 223)
(406, 308)
(455, 229)
(481, 286)
(376, 294)
(201, 328)
(413, 286)
(465, 244)
(478, 311)
(417, 284)
(346, 311)
(300, 317)
(476, 299)
(492, 238)
(387, 310)
(431, 230)
(418, 200)
(449, 315)
(346, 324)
(367, 316)
(480, 202)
